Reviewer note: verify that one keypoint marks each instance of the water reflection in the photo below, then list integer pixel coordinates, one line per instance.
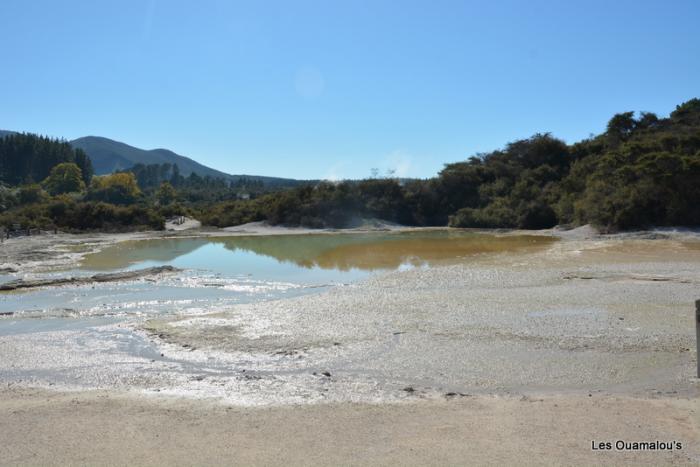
(340, 252)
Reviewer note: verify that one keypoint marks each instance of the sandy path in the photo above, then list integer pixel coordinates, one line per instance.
(39, 428)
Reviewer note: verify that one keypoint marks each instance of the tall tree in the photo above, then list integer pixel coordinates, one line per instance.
(65, 177)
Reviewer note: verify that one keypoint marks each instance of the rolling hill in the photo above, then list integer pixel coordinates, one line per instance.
(108, 156)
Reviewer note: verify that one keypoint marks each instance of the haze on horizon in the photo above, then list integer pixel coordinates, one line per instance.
(328, 90)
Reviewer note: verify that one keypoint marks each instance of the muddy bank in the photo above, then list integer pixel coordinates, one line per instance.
(26, 284)
(49, 252)
(49, 428)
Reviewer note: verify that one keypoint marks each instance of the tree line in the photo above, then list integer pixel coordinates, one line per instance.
(27, 158)
(641, 171)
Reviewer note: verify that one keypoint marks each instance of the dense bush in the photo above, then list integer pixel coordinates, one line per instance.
(8, 198)
(117, 188)
(30, 194)
(65, 177)
(657, 188)
(641, 172)
(63, 212)
(325, 204)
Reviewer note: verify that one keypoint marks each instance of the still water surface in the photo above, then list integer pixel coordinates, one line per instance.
(221, 271)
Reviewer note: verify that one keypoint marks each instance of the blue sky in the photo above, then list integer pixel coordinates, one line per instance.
(331, 89)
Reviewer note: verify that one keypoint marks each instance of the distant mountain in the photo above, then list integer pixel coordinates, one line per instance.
(108, 156)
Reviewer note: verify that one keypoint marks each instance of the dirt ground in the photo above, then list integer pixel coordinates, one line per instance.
(100, 428)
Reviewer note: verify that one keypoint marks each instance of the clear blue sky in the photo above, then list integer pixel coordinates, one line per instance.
(313, 89)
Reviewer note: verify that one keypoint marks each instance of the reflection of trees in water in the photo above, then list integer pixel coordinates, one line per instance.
(301, 250)
(378, 251)
(124, 254)
(367, 251)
